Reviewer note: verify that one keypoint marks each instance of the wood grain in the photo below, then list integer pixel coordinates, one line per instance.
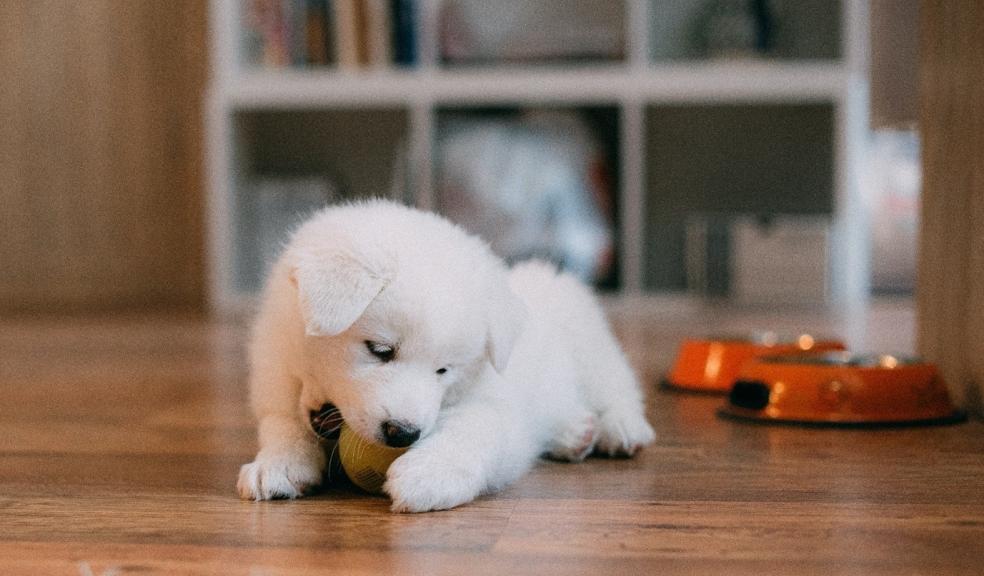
(951, 262)
(100, 154)
(120, 440)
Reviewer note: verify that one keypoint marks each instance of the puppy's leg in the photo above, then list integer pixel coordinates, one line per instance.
(479, 447)
(604, 377)
(290, 461)
(574, 427)
(288, 464)
(616, 396)
(609, 385)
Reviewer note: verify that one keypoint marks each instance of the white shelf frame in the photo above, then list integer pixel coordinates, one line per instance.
(630, 86)
(704, 82)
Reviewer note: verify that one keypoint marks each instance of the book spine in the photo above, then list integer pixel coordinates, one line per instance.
(315, 20)
(346, 34)
(295, 18)
(269, 18)
(404, 24)
(331, 56)
(362, 31)
(378, 28)
(254, 41)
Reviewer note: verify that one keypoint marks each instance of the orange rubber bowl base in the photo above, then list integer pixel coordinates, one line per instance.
(836, 389)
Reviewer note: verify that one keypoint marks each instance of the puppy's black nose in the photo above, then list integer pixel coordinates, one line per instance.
(400, 434)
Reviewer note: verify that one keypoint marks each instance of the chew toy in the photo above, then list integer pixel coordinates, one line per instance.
(365, 462)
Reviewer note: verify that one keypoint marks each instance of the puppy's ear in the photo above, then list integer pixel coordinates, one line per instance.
(507, 318)
(334, 288)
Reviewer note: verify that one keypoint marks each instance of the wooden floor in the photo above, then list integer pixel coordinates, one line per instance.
(120, 440)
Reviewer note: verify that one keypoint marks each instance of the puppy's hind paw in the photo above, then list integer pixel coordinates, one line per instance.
(623, 434)
(273, 476)
(576, 441)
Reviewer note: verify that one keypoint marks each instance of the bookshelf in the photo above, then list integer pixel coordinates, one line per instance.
(800, 114)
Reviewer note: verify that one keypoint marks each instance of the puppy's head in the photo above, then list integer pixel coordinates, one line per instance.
(402, 312)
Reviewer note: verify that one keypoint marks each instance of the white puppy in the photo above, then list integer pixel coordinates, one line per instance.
(422, 337)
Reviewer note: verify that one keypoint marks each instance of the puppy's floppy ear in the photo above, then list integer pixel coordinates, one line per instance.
(507, 318)
(334, 288)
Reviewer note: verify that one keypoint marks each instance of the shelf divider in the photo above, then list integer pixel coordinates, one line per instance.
(632, 199)
(422, 154)
(637, 33)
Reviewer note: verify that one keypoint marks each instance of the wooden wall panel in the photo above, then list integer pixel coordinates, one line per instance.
(100, 154)
(951, 264)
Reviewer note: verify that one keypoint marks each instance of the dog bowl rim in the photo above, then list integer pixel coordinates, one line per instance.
(844, 359)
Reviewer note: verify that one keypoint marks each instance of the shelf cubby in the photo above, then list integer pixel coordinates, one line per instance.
(800, 30)
(602, 122)
(731, 159)
(355, 152)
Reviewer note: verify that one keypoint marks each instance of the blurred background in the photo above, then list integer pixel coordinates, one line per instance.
(757, 152)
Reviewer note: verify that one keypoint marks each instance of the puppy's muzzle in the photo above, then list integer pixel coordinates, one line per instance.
(400, 434)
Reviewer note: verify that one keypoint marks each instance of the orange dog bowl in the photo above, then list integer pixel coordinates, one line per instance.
(838, 389)
(712, 365)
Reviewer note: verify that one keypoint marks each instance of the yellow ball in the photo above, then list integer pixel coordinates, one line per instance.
(365, 462)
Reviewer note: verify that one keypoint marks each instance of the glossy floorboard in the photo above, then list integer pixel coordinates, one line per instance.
(120, 440)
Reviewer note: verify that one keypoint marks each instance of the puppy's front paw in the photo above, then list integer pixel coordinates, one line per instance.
(288, 474)
(623, 433)
(420, 481)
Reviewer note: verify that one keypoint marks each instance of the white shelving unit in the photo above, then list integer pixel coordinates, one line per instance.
(634, 86)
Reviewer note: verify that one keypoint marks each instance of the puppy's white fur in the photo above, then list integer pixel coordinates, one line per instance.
(532, 366)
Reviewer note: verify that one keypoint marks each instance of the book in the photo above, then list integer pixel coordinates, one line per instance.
(266, 33)
(317, 37)
(404, 27)
(294, 14)
(346, 34)
(362, 32)
(379, 33)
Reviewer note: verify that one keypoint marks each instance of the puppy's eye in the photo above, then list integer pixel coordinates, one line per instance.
(383, 352)
(441, 370)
